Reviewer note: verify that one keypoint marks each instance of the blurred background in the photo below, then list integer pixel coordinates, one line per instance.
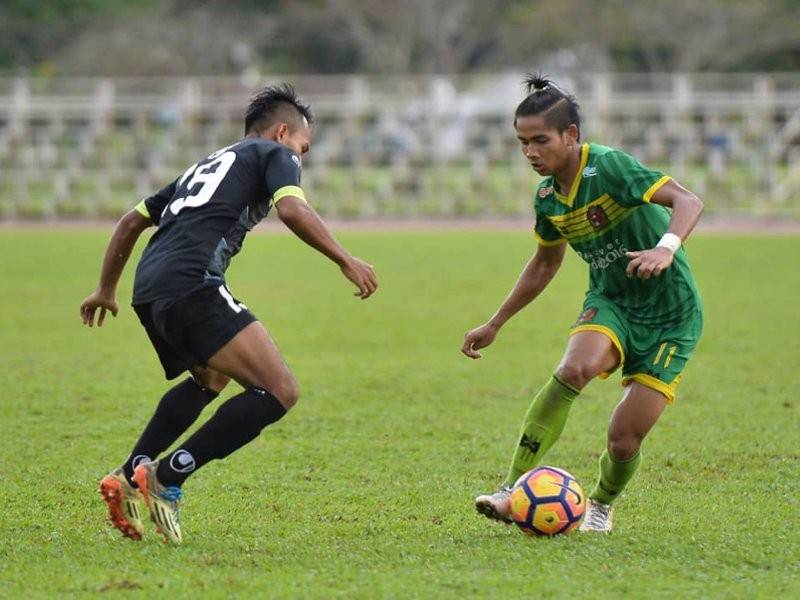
(104, 101)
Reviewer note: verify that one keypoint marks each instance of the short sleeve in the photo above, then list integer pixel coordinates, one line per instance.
(628, 181)
(154, 206)
(282, 177)
(546, 234)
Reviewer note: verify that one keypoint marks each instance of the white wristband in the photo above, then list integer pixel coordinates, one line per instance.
(671, 241)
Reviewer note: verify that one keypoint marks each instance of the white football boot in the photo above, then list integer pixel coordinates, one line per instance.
(495, 506)
(597, 517)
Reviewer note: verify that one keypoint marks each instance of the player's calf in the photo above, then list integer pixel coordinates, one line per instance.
(236, 423)
(176, 412)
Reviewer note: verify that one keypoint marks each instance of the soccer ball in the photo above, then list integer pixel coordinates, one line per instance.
(547, 501)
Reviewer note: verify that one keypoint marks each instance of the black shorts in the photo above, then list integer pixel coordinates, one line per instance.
(188, 331)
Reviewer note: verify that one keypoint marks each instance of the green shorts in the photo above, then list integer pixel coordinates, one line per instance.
(653, 355)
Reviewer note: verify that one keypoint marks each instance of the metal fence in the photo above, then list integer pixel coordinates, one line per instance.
(394, 146)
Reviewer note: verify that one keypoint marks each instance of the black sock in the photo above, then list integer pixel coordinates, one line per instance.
(178, 409)
(237, 422)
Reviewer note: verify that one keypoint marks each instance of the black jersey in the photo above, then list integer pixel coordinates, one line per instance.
(204, 215)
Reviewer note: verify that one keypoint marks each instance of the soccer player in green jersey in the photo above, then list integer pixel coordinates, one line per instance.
(642, 311)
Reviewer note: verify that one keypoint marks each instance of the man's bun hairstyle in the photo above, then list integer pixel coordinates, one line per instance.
(546, 99)
(536, 83)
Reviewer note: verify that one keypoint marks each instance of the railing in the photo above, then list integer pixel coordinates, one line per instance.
(394, 146)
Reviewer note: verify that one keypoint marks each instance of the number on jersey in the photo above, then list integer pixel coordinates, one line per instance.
(209, 176)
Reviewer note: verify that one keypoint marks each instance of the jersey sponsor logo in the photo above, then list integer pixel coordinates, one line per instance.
(296, 160)
(597, 217)
(545, 191)
(590, 171)
(603, 257)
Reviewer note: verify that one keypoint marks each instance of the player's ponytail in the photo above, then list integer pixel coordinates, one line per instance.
(545, 98)
(535, 82)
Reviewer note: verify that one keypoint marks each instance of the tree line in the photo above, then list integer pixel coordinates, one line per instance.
(216, 37)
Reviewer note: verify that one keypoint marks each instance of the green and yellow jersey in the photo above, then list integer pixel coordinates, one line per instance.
(606, 214)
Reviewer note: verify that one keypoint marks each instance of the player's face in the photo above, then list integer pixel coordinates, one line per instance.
(546, 149)
(298, 140)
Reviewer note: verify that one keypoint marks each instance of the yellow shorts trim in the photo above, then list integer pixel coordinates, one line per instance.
(668, 389)
(608, 332)
(289, 190)
(141, 208)
(655, 187)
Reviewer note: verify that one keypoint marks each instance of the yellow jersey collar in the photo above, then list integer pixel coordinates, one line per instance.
(576, 183)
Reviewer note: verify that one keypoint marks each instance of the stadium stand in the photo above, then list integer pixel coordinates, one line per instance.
(394, 146)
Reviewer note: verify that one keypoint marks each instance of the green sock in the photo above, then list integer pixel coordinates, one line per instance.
(543, 424)
(614, 476)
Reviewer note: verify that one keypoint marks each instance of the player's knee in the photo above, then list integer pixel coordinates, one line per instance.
(286, 391)
(575, 374)
(622, 446)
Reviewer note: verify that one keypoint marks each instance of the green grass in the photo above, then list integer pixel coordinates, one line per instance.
(365, 490)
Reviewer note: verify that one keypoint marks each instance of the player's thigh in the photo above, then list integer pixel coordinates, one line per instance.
(252, 358)
(223, 336)
(634, 416)
(588, 354)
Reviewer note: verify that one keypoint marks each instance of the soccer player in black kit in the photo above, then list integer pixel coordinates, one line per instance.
(191, 317)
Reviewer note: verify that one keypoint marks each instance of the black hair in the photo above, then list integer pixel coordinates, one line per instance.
(275, 102)
(545, 98)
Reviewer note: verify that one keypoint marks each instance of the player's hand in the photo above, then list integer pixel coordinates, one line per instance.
(362, 274)
(478, 338)
(94, 301)
(647, 263)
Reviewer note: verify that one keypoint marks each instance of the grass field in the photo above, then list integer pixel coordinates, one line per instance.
(365, 490)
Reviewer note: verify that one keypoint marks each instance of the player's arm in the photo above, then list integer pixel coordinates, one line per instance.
(686, 211)
(119, 249)
(536, 275)
(306, 224)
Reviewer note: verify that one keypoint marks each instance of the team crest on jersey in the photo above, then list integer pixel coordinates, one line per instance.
(597, 217)
(545, 191)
